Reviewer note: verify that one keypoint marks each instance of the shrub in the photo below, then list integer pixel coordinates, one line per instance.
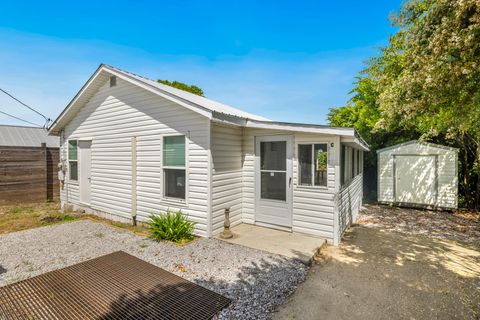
(172, 226)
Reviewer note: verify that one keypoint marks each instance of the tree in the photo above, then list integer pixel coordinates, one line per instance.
(183, 86)
(425, 84)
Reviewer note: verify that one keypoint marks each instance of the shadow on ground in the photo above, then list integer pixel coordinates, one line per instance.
(2, 269)
(377, 274)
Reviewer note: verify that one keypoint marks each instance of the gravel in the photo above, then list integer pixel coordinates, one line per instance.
(255, 280)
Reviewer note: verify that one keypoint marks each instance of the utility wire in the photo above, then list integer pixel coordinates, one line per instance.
(47, 120)
(8, 114)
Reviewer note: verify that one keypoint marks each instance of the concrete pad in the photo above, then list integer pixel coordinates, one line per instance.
(288, 244)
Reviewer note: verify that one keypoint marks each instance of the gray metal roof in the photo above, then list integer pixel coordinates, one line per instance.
(19, 136)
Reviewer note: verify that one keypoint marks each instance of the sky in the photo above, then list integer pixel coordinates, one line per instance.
(284, 60)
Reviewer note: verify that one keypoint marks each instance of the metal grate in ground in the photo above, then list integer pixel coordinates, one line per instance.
(114, 286)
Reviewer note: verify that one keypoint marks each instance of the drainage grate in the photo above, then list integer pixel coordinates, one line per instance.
(114, 286)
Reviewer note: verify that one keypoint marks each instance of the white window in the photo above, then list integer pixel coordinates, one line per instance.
(73, 159)
(313, 164)
(174, 167)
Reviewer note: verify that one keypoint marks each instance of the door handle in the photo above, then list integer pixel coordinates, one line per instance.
(290, 182)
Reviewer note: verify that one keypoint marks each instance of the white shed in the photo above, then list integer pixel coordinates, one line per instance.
(418, 174)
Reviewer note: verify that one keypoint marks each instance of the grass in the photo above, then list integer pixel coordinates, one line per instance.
(26, 216)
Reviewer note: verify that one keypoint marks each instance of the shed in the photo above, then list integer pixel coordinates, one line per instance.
(418, 174)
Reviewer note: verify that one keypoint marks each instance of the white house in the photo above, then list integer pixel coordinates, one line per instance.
(132, 147)
(418, 174)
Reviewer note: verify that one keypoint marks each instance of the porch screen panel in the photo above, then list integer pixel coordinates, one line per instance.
(273, 170)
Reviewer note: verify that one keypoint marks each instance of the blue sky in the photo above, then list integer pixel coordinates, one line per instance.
(285, 60)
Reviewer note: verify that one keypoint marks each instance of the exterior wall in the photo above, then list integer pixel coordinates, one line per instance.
(348, 202)
(110, 119)
(313, 207)
(447, 173)
(227, 180)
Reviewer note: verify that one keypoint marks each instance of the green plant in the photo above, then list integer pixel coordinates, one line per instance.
(172, 226)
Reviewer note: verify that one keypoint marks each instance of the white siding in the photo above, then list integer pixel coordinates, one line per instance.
(313, 207)
(348, 203)
(447, 172)
(227, 181)
(111, 118)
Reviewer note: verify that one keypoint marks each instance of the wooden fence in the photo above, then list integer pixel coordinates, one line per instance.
(28, 174)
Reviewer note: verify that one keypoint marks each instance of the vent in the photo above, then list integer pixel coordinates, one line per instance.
(113, 81)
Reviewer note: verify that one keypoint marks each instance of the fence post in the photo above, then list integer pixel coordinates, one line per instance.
(45, 168)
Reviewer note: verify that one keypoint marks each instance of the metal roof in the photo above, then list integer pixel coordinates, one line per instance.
(20, 136)
(433, 145)
(214, 110)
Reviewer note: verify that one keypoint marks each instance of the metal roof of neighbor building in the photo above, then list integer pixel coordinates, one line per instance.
(21, 136)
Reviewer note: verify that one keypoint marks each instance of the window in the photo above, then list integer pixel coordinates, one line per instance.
(313, 164)
(343, 176)
(174, 167)
(353, 163)
(358, 161)
(72, 159)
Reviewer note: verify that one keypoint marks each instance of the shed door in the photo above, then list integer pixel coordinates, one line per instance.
(273, 180)
(415, 179)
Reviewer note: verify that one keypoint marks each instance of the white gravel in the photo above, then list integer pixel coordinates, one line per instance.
(256, 281)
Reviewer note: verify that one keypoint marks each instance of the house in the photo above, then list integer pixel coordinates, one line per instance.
(28, 164)
(418, 174)
(132, 147)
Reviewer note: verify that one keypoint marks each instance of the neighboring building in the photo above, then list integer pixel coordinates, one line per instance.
(22, 136)
(133, 147)
(28, 164)
(418, 174)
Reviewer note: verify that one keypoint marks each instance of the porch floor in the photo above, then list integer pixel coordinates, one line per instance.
(291, 245)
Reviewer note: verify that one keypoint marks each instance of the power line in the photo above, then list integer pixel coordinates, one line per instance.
(48, 120)
(8, 114)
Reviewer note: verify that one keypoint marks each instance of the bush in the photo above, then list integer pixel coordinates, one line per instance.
(172, 226)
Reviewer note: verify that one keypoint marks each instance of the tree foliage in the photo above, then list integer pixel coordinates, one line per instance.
(183, 86)
(425, 84)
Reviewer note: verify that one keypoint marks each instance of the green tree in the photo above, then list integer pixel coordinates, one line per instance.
(425, 84)
(183, 86)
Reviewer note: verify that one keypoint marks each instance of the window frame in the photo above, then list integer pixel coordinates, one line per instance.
(70, 180)
(297, 150)
(165, 198)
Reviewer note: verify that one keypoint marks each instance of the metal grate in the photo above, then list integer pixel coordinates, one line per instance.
(114, 286)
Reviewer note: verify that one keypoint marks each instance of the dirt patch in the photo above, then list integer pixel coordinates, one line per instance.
(26, 216)
(462, 226)
(380, 274)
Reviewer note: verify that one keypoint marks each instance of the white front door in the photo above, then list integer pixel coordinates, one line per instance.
(415, 179)
(273, 180)
(85, 169)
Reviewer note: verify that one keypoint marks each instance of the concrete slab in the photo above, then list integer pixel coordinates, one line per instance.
(288, 244)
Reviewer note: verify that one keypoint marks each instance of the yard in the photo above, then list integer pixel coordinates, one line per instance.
(256, 281)
(395, 264)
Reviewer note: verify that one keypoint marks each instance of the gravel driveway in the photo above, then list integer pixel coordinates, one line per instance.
(256, 281)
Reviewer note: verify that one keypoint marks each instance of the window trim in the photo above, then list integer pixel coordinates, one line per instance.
(173, 200)
(70, 180)
(312, 144)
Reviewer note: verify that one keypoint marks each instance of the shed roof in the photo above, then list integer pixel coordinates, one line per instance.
(433, 145)
(21, 136)
(214, 110)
